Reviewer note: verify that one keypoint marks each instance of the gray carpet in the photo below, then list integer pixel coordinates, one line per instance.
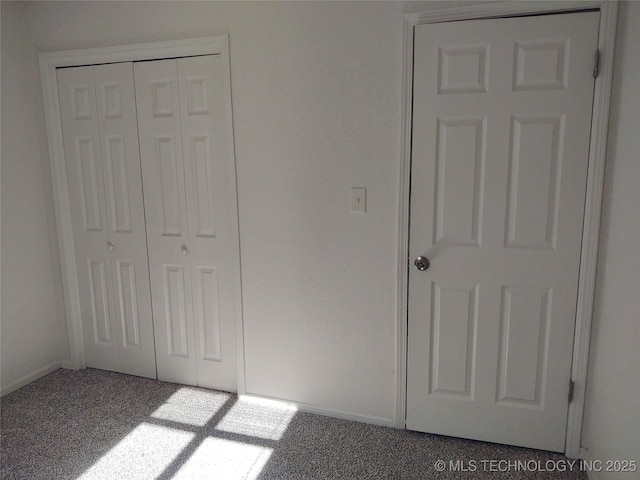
(93, 424)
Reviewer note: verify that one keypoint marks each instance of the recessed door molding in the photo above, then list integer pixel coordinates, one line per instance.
(595, 179)
(49, 62)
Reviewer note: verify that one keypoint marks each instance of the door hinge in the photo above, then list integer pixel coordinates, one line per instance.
(572, 385)
(596, 66)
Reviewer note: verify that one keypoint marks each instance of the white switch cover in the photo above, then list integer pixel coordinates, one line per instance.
(359, 200)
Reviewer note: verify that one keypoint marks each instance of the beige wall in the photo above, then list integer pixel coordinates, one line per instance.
(33, 335)
(612, 417)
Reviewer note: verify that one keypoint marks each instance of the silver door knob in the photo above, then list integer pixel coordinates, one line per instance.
(422, 263)
(111, 246)
(185, 250)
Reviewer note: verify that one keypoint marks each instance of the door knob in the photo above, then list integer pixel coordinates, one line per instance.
(422, 263)
(185, 250)
(111, 246)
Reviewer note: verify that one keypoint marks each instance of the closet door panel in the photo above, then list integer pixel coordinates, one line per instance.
(158, 107)
(77, 95)
(126, 222)
(207, 165)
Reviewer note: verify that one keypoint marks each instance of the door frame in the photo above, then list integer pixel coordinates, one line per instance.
(49, 62)
(593, 203)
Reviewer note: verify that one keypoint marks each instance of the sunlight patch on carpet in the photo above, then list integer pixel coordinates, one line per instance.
(225, 459)
(191, 407)
(258, 419)
(144, 453)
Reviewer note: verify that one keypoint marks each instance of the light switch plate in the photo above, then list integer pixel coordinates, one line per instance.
(358, 200)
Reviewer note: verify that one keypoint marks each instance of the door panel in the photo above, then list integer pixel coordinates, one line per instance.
(207, 309)
(454, 323)
(208, 168)
(535, 164)
(501, 124)
(99, 302)
(524, 327)
(125, 207)
(127, 297)
(201, 163)
(77, 95)
(89, 184)
(176, 311)
(118, 191)
(158, 104)
(169, 171)
(103, 167)
(459, 180)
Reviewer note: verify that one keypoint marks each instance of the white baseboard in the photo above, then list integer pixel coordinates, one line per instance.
(30, 377)
(586, 456)
(329, 412)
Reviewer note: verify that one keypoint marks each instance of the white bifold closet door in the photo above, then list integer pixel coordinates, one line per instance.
(105, 187)
(188, 175)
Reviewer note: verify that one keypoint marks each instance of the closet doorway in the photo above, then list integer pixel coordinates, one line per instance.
(144, 180)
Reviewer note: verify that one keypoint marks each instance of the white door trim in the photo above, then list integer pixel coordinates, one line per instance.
(215, 45)
(590, 235)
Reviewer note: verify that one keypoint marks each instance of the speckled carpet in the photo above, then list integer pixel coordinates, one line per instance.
(93, 424)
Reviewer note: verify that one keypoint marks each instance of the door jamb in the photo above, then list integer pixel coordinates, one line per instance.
(593, 203)
(49, 62)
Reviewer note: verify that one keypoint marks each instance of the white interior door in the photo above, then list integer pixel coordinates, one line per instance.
(189, 183)
(501, 126)
(104, 177)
